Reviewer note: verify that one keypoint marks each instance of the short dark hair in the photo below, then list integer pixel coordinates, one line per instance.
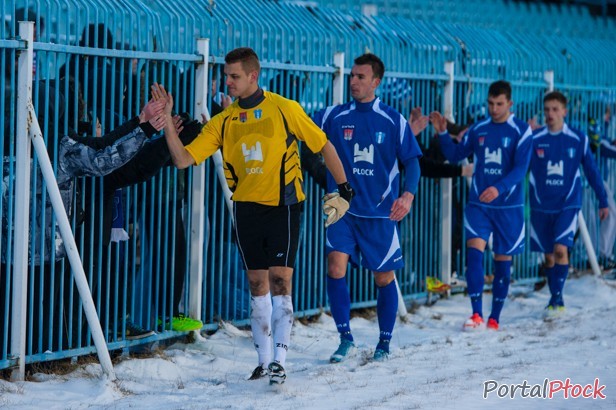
(246, 56)
(96, 35)
(378, 68)
(500, 87)
(555, 95)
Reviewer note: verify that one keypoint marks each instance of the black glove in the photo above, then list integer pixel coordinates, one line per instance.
(346, 192)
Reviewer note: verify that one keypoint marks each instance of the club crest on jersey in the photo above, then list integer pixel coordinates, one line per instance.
(556, 168)
(243, 117)
(540, 152)
(481, 141)
(258, 114)
(348, 134)
(506, 142)
(380, 137)
(366, 154)
(571, 152)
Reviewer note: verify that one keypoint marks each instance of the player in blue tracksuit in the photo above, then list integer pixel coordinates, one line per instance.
(500, 146)
(371, 139)
(556, 192)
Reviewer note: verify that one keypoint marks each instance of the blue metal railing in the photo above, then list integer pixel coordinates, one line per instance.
(156, 41)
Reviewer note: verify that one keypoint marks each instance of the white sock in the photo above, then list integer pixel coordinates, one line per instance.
(282, 321)
(261, 325)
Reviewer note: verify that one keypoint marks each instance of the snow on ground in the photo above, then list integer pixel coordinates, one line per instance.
(433, 364)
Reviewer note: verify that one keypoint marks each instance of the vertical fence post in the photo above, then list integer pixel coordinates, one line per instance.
(548, 76)
(22, 201)
(338, 79)
(26, 121)
(198, 223)
(446, 184)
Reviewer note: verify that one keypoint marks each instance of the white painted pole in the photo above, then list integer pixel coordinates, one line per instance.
(198, 216)
(548, 76)
(220, 172)
(338, 87)
(592, 256)
(70, 246)
(447, 184)
(22, 202)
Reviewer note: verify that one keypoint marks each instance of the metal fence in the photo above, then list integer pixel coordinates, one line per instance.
(95, 60)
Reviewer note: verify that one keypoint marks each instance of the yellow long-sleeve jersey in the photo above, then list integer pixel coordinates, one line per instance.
(259, 148)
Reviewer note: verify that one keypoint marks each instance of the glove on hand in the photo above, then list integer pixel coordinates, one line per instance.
(336, 204)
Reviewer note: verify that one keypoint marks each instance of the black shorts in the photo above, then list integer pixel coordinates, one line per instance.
(267, 235)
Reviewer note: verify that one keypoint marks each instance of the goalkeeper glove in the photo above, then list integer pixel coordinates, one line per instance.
(336, 204)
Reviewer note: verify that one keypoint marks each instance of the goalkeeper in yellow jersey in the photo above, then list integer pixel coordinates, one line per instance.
(258, 136)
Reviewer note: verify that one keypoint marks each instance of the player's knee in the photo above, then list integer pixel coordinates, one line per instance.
(560, 254)
(549, 260)
(336, 271)
(257, 287)
(383, 279)
(280, 286)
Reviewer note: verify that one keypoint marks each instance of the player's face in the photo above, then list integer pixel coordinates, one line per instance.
(499, 107)
(555, 113)
(363, 83)
(240, 83)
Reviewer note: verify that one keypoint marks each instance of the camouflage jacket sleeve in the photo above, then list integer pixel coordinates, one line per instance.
(77, 158)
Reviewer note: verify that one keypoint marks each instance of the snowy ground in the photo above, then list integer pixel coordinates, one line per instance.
(433, 364)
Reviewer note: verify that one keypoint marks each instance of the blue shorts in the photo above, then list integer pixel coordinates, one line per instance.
(375, 239)
(506, 224)
(548, 229)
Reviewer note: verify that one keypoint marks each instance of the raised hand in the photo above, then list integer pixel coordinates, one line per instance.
(438, 122)
(158, 122)
(151, 110)
(415, 114)
(533, 123)
(160, 94)
(419, 124)
(177, 122)
(226, 101)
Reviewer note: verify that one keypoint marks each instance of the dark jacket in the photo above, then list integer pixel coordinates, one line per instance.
(148, 162)
(77, 156)
(432, 163)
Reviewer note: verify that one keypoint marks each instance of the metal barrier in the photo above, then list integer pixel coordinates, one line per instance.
(148, 277)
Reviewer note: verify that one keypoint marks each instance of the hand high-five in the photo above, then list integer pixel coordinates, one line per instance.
(153, 113)
(178, 123)
(438, 122)
(417, 121)
(160, 94)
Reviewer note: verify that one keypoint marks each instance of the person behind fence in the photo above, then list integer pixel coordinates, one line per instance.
(434, 165)
(78, 156)
(372, 139)
(501, 146)
(606, 153)
(258, 136)
(144, 165)
(556, 192)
